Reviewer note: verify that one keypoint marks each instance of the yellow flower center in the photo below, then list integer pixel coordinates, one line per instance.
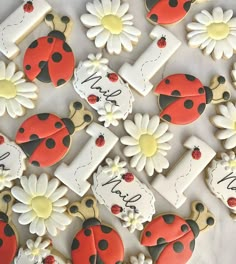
(7, 89)
(42, 206)
(232, 163)
(133, 221)
(148, 145)
(35, 251)
(113, 24)
(218, 31)
(2, 178)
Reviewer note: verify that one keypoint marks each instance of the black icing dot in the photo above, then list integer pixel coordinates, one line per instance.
(66, 141)
(161, 240)
(87, 118)
(210, 221)
(3, 217)
(75, 244)
(221, 79)
(201, 108)
(56, 57)
(1, 242)
(60, 82)
(27, 67)
(58, 125)
(50, 143)
(226, 96)
(8, 231)
(35, 163)
(173, 3)
(6, 198)
(184, 228)
(33, 45)
(50, 40)
(89, 203)
(178, 247)
(49, 17)
(66, 47)
(103, 244)
(192, 245)
(43, 116)
(106, 229)
(87, 232)
(187, 5)
(154, 18)
(201, 90)
(148, 233)
(73, 209)
(167, 81)
(199, 207)
(188, 104)
(42, 64)
(92, 259)
(34, 137)
(190, 77)
(77, 105)
(169, 218)
(65, 19)
(21, 130)
(167, 118)
(176, 93)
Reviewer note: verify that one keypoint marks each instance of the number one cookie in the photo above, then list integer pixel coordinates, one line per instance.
(192, 163)
(19, 24)
(162, 48)
(98, 146)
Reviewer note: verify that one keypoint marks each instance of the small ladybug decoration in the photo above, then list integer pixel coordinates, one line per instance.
(8, 238)
(50, 59)
(46, 138)
(116, 209)
(100, 141)
(49, 260)
(113, 77)
(196, 154)
(161, 43)
(93, 99)
(171, 239)
(96, 242)
(28, 7)
(183, 98)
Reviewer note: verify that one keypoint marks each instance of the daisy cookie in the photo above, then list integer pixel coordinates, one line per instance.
(214, 34)
(42, 204)
(16, 94)
(147, 143)
(140, 259)
(110, 26)
(103, 89)
(221, 180)
(12, 162)
(225, 121)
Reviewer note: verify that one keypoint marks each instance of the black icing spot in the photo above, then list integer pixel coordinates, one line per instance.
(89, 203)
(176, 93)
(1, 242)
(56, 57)
(210, 221)
(92, 259)
(201, 108)
(66, 47)
(169, 218)
(221, 79)
(187, 6)
(66, 141)
(167, 81)
(49, 17)
(21, 130)
(173, 3)
(161, 241)
(50, 40)
(167, 118)
(184, 228)
(8, 231)
(77, 105)
(188, 104)
(201, 90)
(87, 118)
(6, 198)
(35, 163)
(226, 96)
(75, 244)
(103, 244)
(58, 125)
(154, 18)
(178, 247)
(28, 67)
(34, 137)
(42, 64)
(87, 232)
(192, 245)
(190, 77)
(33, 45)
(106, 229)
(43, 116)
(60, 82)
(50, 143)
(148, 233)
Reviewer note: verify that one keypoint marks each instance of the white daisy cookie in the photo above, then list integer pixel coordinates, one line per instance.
(226, 120)
(110, 25)
(147, 143)
(115, 167)
(15, 94)
(96, 63)
(110, 115)
(233, 74)
(140, 259)
(214, 33)
(132, 221)
(41, 204)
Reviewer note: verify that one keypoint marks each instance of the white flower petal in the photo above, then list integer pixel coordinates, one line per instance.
(21, 195)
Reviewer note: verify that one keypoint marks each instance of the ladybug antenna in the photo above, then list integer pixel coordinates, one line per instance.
(50, 19)
(65, 20)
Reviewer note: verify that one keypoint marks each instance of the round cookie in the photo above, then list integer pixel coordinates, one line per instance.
(46, 138)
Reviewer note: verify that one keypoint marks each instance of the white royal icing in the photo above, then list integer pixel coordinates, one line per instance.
(233, 74)
(95, 83)
(132, 221)
(12, 162)
(221, 179)
(140, 259)
(173, 185)
(110, 25)
(151, 60)
(226, 120)
(111, 187)
(19, 24)
(214, 33)
(76, 174)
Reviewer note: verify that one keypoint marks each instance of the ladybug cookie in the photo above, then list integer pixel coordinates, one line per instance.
(46, 138)
(183, 98)
(171, 239)
(96, 242)
(8, 237)
(50, 58)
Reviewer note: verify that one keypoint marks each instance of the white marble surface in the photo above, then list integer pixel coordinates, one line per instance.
(216, 246)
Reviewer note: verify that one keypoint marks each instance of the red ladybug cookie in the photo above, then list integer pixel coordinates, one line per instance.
(46, 138)
(171, 239)
(96, 242)
(183, 98)
(50, 58)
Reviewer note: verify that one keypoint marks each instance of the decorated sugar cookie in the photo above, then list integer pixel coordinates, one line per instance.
(183, 98)
(50, 59)
(96, 242)
(214, 33)
(42, 204)
(173, 185)
(168, 12)
(233, 74)
(110, 25)
(221, 179)
(103, 90)
(16, 94)
(39, 251)
(147, 143)
(12, 162)
(140, 259)
(123, 194)
(46, 138)
(20, 23)
(171, 238)
(8, 236)
(225, 121)
(138, 75)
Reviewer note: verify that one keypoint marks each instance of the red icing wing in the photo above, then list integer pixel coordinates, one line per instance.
(97, 244)
(8, 243)
(167, 12)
